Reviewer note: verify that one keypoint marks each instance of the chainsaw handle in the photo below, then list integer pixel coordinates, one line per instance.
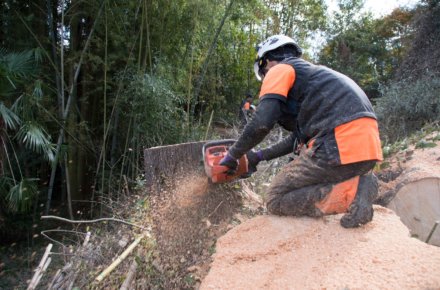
(227, 170)
(216, 143)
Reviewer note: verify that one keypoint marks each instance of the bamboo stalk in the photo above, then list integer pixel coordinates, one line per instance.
(130, 276)
(85, 242)
(54, 279)
(67, 110)
(208, 56)
(87, 239)
(147, 45)
(104, 138)
(209, 125)
(40, 268)
(42, 272)
(119, 259)
(69, 192)
(141, 36)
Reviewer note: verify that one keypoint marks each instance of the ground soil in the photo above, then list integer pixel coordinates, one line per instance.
(270, 252)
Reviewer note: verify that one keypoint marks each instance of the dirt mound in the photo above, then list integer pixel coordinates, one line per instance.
(270, 252)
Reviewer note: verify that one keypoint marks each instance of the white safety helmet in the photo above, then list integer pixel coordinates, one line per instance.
(270, 44)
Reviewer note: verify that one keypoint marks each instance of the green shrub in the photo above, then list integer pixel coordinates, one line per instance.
(153, 108)
(407, 105)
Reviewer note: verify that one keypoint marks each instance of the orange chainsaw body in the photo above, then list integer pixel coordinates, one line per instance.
(213, 153)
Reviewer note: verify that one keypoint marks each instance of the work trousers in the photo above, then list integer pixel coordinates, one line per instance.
(310, 178)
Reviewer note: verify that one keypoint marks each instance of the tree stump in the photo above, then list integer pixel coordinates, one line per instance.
(166, 163)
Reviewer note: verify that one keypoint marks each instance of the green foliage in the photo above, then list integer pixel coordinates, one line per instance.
(426, 137)
(406, 106)
(11, 120)
(154, 109)
(366, 49)
(35, 138)
(22, 93)
(15, 68)
(425, 144)
(19, 196)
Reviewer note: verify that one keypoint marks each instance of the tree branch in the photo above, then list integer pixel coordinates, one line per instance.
(91, 221)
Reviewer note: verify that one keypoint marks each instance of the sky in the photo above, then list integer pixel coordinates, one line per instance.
(384, 7)
(381, 7)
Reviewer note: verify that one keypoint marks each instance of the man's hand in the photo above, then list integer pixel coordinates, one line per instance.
(253, 157)
(229, 162)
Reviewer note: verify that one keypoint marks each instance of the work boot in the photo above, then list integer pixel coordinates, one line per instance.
(361, 209)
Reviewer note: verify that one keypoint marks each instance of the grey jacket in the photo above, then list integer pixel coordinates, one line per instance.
(320, 100)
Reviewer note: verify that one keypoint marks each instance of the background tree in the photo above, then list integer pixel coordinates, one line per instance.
(366, 49)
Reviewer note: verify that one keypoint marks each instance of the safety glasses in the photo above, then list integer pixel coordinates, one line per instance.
(262, 70)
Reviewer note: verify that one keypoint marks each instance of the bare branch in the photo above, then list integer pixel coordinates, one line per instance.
(91, 221)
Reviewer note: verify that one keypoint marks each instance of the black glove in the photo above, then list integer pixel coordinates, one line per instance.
(229, 162)
(253, 157)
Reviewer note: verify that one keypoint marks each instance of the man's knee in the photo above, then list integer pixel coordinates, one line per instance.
(297, 202)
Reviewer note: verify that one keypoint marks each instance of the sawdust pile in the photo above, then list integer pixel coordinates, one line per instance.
(188, 216)
(270, 252)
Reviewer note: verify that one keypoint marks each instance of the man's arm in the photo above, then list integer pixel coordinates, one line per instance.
(267, 114)
(281, 148)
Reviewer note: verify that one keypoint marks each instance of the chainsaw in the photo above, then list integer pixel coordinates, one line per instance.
(213, 152)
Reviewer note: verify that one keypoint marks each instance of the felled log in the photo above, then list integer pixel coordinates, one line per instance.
(414, 191)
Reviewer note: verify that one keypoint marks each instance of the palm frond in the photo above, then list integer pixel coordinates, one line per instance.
(16, 67)
(35, 138)
(21, 195)
(37, 92)
(10, 118)
(20, 64)
(6, 183)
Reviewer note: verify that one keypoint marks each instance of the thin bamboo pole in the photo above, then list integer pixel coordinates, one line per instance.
(130, 276)
(69, 193)
(141, 36)
(208, 56)
(41, 267)
(209, 125)
(67, 110)
(147, 45)
(119, 259)
(104, 137)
